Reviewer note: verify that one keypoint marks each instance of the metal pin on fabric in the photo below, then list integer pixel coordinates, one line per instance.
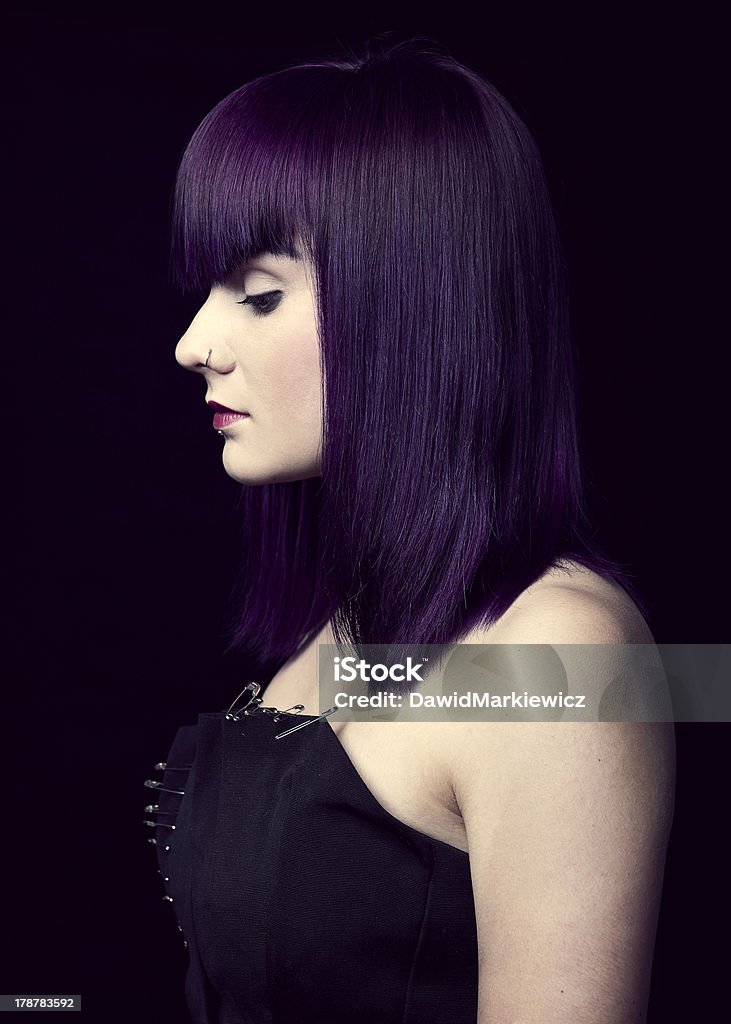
(154, 784)
(155, 809)
(254, 689)
(251, 708)
(295, 709)
(163, 766)
(158, 824)
(301, 725)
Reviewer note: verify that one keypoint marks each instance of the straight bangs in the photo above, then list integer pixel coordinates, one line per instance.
(245, 183)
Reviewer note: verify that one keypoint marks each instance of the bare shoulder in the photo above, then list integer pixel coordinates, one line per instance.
(569, 604)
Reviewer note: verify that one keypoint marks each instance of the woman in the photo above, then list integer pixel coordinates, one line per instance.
(384, 345)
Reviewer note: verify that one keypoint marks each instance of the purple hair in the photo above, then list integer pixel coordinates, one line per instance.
(451, 477)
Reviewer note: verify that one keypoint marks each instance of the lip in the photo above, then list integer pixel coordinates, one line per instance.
(224, 408)
(225, 417)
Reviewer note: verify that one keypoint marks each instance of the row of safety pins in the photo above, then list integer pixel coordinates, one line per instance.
(162, 766)
(253, 706)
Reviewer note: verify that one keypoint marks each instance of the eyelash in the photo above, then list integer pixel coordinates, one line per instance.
(261, 303)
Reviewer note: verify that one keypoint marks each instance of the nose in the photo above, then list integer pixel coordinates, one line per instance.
(202, 349)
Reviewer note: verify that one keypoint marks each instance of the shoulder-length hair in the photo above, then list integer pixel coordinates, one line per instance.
(451, 476)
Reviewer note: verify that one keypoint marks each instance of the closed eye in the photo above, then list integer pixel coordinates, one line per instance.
(263, 303)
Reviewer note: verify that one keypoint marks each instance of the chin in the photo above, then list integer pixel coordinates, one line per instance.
(243, 472)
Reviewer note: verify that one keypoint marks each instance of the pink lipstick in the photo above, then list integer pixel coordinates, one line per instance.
(225, 417)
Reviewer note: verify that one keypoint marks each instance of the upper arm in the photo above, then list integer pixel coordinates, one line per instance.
(567, 826)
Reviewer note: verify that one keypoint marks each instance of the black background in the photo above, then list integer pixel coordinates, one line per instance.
(121, 532)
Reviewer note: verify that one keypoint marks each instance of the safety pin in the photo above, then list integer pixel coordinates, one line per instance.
(294, 710)
(163, 766)
(158, 824)
(273, 712)
(301, 725)
(255, 701)
(253, 688)
(248, 710)
(155, 809)
(154, 784)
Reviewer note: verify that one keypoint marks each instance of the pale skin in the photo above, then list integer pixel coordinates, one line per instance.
(566, 823)
(266, 364)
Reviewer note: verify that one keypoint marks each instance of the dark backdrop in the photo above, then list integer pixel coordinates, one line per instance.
(121, 532)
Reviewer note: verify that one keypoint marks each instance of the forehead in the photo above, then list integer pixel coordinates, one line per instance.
(278, 266)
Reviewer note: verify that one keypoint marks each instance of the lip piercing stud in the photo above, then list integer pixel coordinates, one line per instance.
(210, 350)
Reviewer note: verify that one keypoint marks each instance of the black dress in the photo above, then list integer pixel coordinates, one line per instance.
(299, 897)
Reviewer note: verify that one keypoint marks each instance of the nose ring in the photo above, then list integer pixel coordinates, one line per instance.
(210, 350)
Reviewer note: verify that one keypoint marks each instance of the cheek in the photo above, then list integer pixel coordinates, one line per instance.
(295, 376)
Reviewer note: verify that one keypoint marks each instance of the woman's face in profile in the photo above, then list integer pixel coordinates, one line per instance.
(261, 325)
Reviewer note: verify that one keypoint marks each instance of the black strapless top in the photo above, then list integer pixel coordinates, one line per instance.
(299, 897)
